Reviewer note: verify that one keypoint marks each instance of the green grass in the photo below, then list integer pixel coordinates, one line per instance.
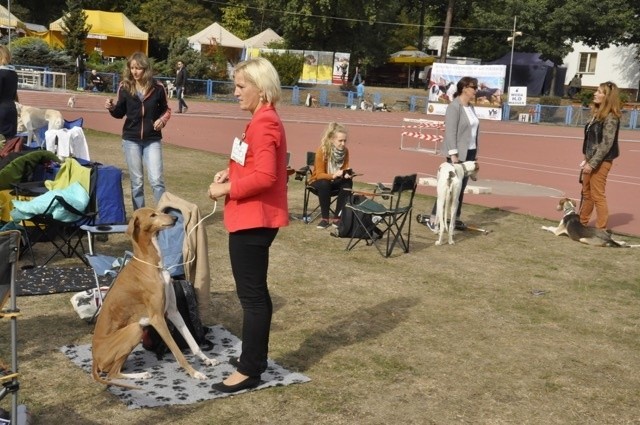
(448, 334)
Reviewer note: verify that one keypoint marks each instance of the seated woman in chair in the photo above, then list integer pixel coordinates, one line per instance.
(331, 173)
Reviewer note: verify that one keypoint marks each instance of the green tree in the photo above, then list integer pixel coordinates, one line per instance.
(74, 26)
(165, 20)
(236, 19)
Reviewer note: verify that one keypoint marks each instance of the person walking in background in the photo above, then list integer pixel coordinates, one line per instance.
(462, 127)
(331, 172)
(180, 83)
(360, 92)
(600, 148)
(143, 101)
(8, 95)
(575, 85)
(80, 68)
(357, 78)
(254, 188)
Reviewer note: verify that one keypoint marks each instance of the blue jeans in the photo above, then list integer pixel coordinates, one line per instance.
(180, 95)
(139, 155)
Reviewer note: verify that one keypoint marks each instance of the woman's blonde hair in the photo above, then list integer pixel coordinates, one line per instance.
(261, 73)
(327, 138)
(128, 82)
(5, 55)
(610, 104)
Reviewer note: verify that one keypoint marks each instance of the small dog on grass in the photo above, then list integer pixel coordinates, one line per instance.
(570, 225)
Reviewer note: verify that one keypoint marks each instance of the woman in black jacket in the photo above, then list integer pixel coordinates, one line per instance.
(600, 148)
(143, 101)
(8, 95)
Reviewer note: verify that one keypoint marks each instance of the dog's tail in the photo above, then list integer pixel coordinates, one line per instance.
(96, 377)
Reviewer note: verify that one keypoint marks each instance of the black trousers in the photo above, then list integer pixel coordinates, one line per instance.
(325, 187)
(249, 254)
(471, 156)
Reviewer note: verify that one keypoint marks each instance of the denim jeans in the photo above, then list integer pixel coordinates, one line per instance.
(180, 95)
(139, 155)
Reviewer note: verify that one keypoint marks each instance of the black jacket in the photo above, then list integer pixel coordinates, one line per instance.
(138, 126)
(601, 140)
(181, 77)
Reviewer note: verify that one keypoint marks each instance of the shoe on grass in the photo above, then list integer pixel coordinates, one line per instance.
(324, 224)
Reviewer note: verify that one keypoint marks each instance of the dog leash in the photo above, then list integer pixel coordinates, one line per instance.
(215, 206)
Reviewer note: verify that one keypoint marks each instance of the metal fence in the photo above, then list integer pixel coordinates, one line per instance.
(40, 78)
(568, 115)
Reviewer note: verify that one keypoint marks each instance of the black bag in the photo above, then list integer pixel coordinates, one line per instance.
(349, 227)
(188, 307)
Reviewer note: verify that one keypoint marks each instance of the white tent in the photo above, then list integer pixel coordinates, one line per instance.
(8, 20)
(214, 35)
(261, 40)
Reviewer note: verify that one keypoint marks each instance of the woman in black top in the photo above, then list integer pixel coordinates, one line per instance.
(8, 95)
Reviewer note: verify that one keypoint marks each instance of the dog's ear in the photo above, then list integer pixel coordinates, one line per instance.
(134, 226)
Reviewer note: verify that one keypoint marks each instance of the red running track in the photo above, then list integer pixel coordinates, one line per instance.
(527, 166)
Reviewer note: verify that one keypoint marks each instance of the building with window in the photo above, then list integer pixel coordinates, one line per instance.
(618, 64)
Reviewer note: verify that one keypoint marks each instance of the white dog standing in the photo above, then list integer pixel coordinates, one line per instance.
(35, 118)
(449, 183)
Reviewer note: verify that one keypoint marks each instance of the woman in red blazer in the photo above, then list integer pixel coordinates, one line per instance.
(255, 191)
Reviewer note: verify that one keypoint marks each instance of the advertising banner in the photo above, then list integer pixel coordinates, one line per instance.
(341, 68)
(488, 101)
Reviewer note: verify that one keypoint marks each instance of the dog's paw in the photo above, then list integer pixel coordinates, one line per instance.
(438, 243)
(211, 362)
(200, 376)
(451, 242)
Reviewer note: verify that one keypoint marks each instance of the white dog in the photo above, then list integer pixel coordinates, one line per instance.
(35, 118)
(71, 103)
(449, 185)
(171, 89)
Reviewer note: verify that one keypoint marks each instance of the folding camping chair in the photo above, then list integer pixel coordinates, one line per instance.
(103, 266)
(9, 251)
(392, 215)
(65, 234)
(303, 174)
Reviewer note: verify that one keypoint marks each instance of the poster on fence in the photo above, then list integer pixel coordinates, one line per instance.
(341, 68)
(445, 77)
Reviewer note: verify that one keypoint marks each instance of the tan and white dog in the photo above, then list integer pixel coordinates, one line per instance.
(33, 118)
(449, 184)
(71, 103)
(141, 295)
(570, 225)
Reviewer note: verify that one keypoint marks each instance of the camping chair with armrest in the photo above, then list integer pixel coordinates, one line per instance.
(60, 222)
(394, 209)
(310, 214)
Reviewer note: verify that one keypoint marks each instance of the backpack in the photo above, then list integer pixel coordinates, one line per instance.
(187, 305)
(349, 227)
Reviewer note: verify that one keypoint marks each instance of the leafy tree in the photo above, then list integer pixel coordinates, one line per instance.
(165, 20)
(236, 20)
(288, 65)
(198, 65)
(35, 51)
(74, 26)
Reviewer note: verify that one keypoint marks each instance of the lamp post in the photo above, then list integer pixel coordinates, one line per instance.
(512, 39)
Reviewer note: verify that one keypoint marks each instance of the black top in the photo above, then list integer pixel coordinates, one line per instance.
(8, 94)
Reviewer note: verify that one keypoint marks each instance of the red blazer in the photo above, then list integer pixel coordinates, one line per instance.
(258, 196)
